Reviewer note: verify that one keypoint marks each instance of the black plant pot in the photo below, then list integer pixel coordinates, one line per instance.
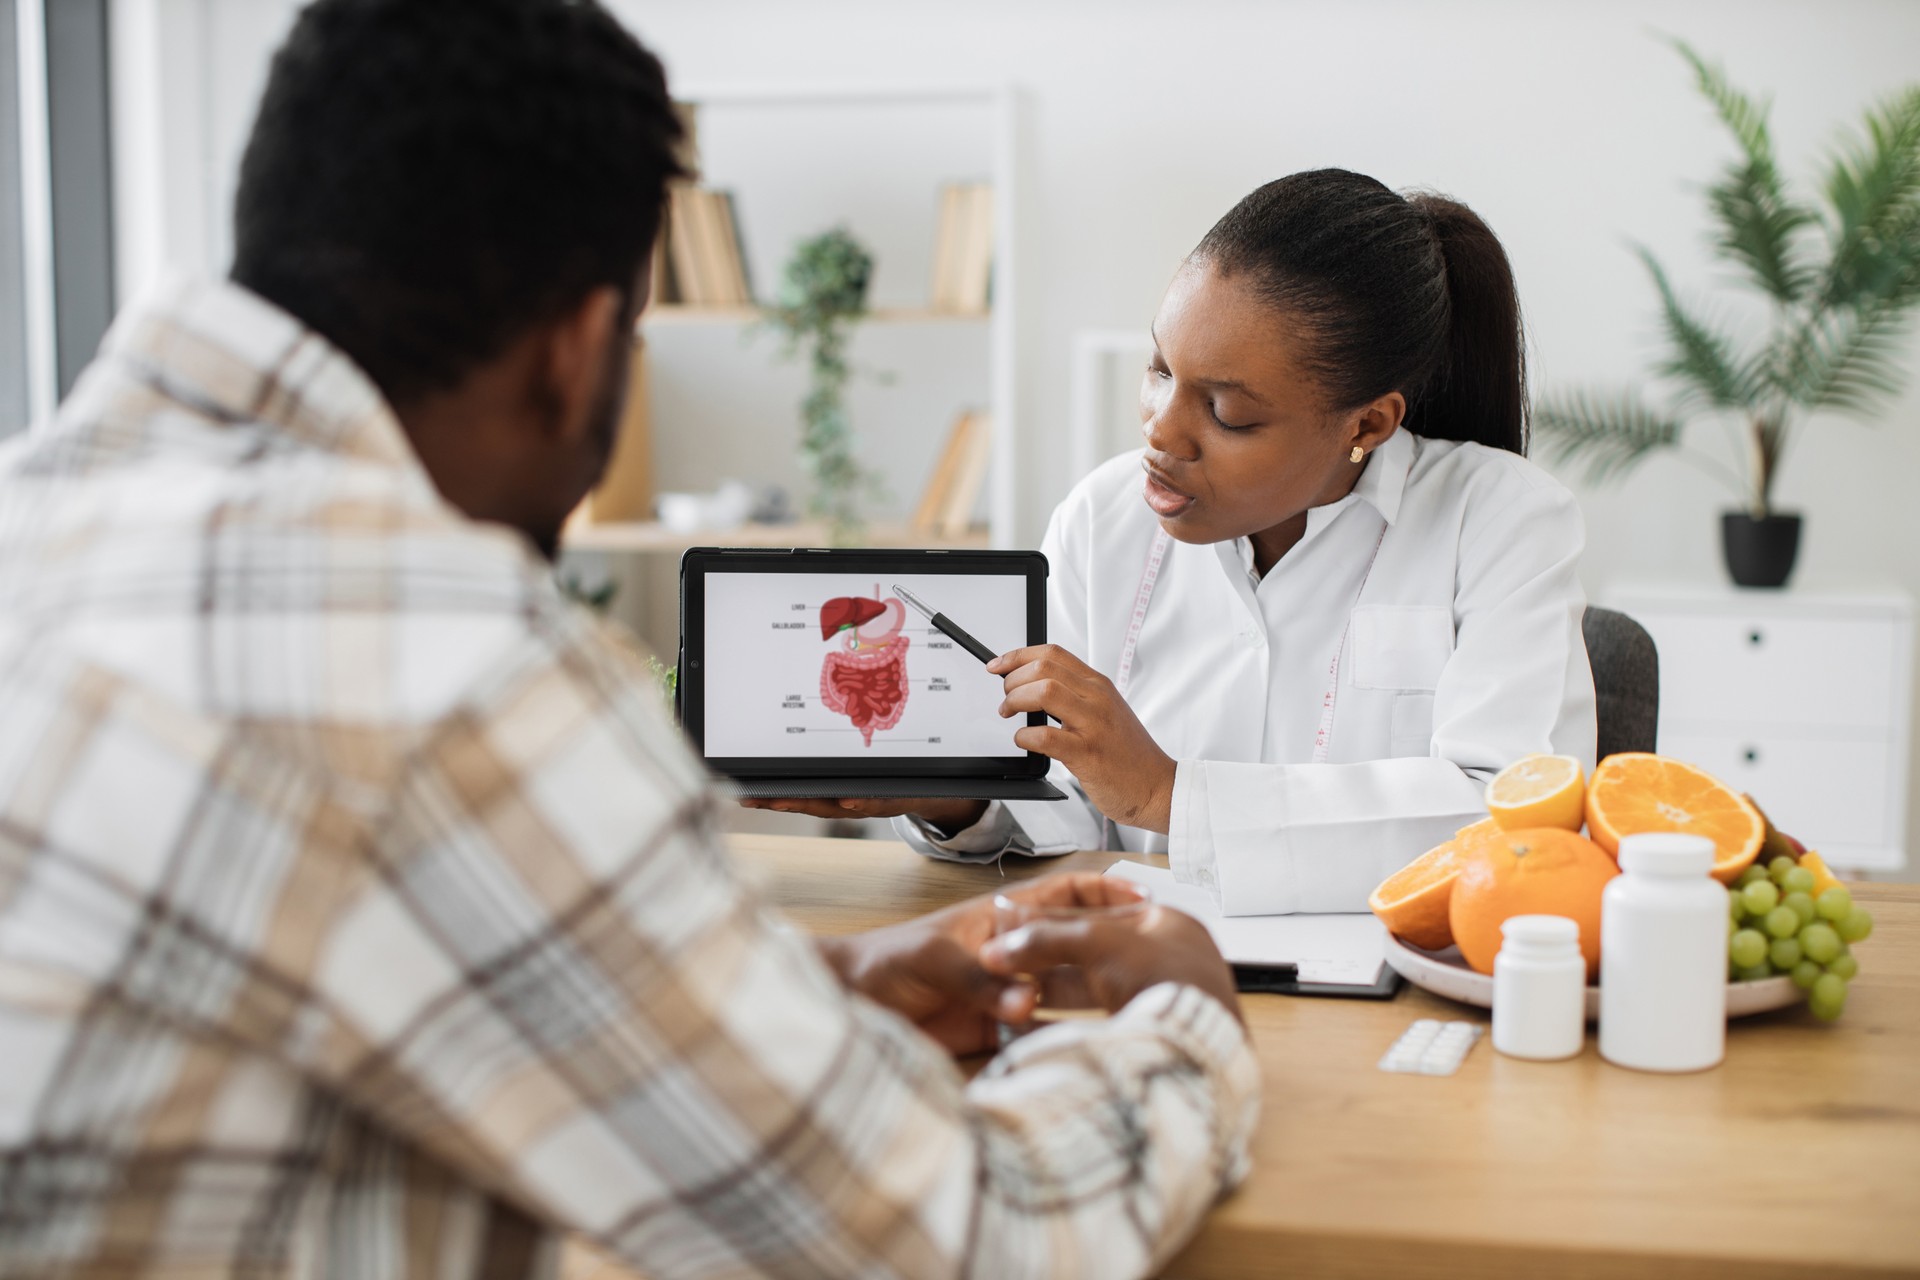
(1760, 553)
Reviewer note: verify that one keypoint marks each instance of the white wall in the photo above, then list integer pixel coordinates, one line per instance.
(1570, 127)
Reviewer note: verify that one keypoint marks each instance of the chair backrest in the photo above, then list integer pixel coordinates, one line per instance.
(1626, 681)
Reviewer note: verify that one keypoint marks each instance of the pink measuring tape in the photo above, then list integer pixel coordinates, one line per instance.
(1150, 575)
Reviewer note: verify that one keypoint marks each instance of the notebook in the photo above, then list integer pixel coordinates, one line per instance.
(1295, 955)
(803, 675)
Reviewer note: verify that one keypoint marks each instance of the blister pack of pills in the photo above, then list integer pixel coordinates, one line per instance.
(1431, 1048)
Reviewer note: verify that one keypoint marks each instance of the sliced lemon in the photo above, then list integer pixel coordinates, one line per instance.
(1538, 791)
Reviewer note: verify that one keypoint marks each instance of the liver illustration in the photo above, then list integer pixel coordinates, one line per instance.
(842, 612)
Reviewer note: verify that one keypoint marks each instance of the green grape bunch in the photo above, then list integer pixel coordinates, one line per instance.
(1776, 925)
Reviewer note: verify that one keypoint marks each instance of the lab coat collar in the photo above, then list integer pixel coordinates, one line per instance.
(1385, 477)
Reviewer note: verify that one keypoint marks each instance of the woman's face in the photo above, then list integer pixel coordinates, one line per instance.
(1240, 440)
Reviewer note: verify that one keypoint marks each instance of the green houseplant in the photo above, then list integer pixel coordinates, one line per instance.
(1839, 279)
(823, 291)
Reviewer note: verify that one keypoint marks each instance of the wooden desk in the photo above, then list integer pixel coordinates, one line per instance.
(1798, 1156)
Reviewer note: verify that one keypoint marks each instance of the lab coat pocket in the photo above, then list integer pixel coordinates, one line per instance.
(1401, 647)
(1411, 731)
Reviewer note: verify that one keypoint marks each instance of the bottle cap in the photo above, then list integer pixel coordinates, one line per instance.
(1541, 930)
(1666, 853)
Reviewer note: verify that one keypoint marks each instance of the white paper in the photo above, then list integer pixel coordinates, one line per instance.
(1346, 949)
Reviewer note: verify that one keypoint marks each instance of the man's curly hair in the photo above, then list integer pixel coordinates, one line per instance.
(429, 179)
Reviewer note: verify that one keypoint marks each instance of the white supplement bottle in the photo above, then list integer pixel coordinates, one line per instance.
(1663, 957)
(1539, 989)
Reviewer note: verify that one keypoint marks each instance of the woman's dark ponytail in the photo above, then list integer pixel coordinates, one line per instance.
(1480, 392)
(1394, 294)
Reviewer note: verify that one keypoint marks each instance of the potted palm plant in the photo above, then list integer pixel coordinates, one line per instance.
(1840, 278)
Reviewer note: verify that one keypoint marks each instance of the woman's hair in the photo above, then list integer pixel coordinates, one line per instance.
(1394, 293)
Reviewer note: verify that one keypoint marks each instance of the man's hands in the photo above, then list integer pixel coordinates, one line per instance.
(928, 970)
(1102, 743)
(933, 971)
(1119, 958)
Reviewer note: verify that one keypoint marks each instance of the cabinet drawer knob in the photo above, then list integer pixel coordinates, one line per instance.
(1756, 637)
(1751, 755)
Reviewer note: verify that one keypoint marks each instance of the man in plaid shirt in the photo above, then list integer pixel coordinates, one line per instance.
(360, 912)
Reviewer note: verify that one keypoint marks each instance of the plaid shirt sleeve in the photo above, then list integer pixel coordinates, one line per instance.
(556, 983)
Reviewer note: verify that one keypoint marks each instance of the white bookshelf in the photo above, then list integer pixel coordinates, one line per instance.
(641, 558)
(997, 107)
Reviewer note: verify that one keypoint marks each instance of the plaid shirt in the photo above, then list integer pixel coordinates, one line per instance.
(361, 913)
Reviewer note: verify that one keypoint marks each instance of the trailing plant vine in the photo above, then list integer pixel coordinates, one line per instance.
(823, 292)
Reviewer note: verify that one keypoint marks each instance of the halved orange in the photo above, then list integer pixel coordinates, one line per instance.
(1412, 902)
(1538, 791)
(1635, 792)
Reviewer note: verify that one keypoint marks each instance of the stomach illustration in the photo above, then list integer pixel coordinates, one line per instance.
(865, 677)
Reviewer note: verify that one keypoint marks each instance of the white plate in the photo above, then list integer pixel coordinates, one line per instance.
(1445, 974)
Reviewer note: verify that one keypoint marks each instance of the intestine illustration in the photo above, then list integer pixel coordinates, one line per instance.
(865, 679)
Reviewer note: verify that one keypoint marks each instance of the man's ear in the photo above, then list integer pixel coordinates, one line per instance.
(1372, 423)
(576, 351)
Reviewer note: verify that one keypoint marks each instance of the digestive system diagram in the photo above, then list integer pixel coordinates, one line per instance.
(865, 677)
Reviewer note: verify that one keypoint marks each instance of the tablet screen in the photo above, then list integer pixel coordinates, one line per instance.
(812, 665)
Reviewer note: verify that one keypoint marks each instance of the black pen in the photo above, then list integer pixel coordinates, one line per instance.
(942, 623)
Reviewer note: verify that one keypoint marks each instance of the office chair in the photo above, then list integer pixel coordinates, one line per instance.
(1626, 681)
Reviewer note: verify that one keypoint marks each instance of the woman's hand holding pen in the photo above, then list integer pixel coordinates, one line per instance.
(1099, 739)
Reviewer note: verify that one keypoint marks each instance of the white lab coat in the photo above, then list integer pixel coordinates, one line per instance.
(1460, 651)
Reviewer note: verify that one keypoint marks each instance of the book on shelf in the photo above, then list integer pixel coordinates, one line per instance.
(703, 254)
(689, 285)
(946, 246)
(947, 503)
(963, 248)
(974, 288)
(730, 255)
(663, 289)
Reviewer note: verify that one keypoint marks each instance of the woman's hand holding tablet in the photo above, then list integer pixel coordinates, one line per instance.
(1098, 738)
(947, 814)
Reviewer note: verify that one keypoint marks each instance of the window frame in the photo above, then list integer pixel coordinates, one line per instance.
(63, 190)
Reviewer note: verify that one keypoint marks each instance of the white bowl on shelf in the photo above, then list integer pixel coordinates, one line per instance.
(1446, 973)
(681, 512)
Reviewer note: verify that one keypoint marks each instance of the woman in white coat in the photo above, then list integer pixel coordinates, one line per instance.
(1295, 634)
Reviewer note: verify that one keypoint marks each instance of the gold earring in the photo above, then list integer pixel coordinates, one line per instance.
(1357, 454)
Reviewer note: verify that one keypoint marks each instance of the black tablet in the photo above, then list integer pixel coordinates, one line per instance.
(804, 673)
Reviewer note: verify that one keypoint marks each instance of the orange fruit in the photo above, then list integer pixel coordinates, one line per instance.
(1484, 829)
(1412, 902)
(1823, 877)
(1633, 792)
(1539, 791)
(1541, 871)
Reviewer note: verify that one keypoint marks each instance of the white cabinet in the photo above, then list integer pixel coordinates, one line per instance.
(1801, 699)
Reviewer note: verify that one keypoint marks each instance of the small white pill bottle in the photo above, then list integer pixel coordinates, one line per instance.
(1663, 956)
(1539, 989)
